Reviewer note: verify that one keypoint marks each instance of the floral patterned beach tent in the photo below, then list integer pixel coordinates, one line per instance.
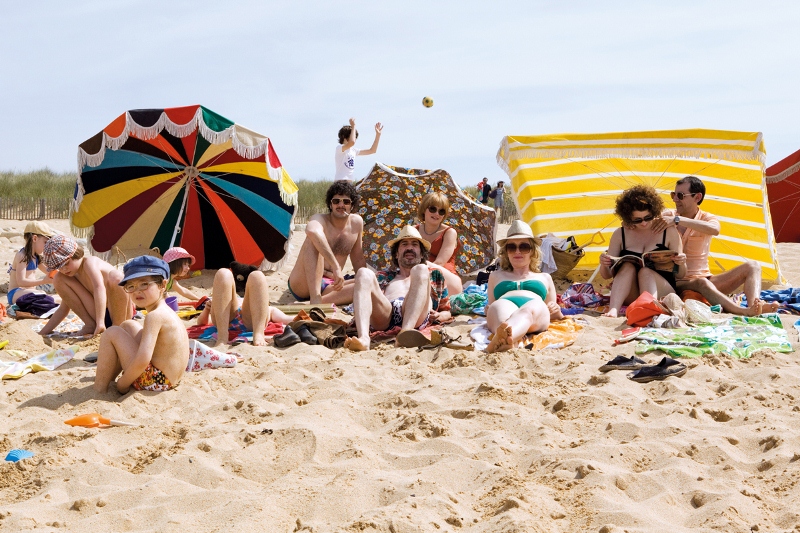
(389, 200)
(183, 176)
(566, 184)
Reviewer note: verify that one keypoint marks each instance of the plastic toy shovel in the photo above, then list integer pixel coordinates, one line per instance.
(92, 420)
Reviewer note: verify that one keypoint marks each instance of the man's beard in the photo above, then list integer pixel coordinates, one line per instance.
(409, 262)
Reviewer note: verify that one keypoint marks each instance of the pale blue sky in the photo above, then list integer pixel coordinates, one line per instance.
(296, 71)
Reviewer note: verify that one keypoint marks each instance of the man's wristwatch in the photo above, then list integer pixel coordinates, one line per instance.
(676, 220)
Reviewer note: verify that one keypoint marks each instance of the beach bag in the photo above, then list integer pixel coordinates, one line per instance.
(643, 309)
(493, 194)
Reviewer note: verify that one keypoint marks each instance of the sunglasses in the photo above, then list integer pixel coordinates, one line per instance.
(345, 201)
(137, 287)
(523, 247)
(433, 209)
(681, 195)
(648, 218)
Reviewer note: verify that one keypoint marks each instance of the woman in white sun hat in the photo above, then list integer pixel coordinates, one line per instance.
(522, 299)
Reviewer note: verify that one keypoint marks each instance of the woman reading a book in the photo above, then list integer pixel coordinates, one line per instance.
(638, 258)
(521, 298)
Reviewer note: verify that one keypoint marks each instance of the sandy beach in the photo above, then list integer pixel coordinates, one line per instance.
(307, 439)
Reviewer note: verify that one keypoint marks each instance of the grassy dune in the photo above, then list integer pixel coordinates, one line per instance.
(45, 183)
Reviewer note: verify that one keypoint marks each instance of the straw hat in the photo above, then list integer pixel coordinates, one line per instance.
(519, 230)
(410, 232)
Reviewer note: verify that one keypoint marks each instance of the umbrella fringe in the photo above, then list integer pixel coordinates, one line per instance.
(91, 160)
(783, 175)
(246, 150)
(214, 137)
(183, 130)
(288, 199)
(145, 133)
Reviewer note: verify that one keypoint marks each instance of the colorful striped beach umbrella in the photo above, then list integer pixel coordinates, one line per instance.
(566, 184)
(183, 176)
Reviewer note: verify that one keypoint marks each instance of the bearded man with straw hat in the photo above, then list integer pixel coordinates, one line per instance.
(406, 297)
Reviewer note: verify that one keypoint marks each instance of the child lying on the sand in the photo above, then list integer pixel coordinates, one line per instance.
(151, 356)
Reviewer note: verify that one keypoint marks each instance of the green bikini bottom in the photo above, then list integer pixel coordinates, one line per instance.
(519, 301)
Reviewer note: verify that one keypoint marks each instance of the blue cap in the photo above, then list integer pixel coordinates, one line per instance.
(144, 265)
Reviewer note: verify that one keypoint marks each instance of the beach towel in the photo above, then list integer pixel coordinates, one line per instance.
(46, 361)
(559, 334)
(739, 337)
(208, 332)
(69, 326)
(789, 299)
(471, 301)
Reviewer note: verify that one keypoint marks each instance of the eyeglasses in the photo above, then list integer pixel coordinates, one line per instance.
(433, 209)
(648, 218)
(523, 247)
(345, 201)
(681, 195)
(137, 287)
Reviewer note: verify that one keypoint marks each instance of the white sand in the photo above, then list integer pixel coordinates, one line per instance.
(392, 440)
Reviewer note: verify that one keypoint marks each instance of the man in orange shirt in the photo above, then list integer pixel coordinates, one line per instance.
(697, 227)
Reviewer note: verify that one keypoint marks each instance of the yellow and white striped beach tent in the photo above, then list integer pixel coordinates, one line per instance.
(566, 184)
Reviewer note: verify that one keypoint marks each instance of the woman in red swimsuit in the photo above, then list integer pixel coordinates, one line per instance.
(432, 212)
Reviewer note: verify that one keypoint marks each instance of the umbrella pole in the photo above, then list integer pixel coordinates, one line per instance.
(180, 214)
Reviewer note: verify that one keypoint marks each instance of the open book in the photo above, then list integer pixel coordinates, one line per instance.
(656, 256)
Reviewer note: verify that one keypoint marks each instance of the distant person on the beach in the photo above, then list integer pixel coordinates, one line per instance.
(406, 297)
(152, 355)
(638, 207)
(179, 261)
(22, 271)
(231, 314)
(483, 191)
(346, 153)
(330, 239)
(431, 214)
(696, 228)
(87, 285)
(496, 194)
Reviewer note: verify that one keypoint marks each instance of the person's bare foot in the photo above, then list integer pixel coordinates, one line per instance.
(85, 330)
(755, 309)
(611, 313)
(769, 307)
(259, 340)
(355, 344)
(502, 339)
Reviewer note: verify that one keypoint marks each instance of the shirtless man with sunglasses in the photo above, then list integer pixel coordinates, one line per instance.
(697, 227)
(330, 239)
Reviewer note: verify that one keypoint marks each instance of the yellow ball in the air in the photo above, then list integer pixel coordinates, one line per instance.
(427, 101)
